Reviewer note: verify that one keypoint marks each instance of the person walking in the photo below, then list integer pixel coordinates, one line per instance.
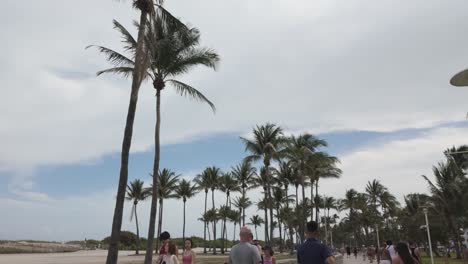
(391, 249)
(312, 250)
(244, 252)
(404, 255)
(414, 251)
(348, 251)
(364, 252)
(385, 257)
(189, 255)
(165, 239)
(355, 252)
(269, 258)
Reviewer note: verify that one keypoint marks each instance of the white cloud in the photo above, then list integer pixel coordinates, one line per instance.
(398, 164)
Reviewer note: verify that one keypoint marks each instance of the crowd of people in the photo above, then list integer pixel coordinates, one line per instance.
(249, 251)
(401, 253)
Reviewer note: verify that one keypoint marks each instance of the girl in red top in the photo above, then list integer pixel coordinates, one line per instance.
(189, 255)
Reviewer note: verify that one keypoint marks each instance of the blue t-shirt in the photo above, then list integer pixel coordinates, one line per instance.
(313, 251)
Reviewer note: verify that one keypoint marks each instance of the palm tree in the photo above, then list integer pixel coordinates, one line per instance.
(212, 216)
(242, 203)
(266, 145)
(209, 180)
(256, 220)
(374, 191)
(280, 198)
(146, 7)
(227, 184)
(328, 203)
(244, 173)
(136, 193)
(168, 181)
(326, 168)
(203, 182)
(285, 176)
(235, 217)
(448, 197)
(264, 180)
(173, 49)
(185, 190)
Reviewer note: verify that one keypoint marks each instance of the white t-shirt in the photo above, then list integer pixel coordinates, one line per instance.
(392, 251)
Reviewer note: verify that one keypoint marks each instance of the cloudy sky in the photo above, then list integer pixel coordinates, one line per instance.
(371, 77)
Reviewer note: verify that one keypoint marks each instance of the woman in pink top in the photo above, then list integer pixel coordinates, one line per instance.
(189, 255)
(268, 259)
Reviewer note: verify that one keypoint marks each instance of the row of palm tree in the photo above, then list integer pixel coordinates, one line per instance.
(164, 49)
(377, 209)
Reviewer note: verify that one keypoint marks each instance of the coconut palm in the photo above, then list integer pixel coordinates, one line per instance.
(244, 173)
(212, 216)
(136, 193)
(235, 217)
(145, 7)
(204, 183)
(322, 166)
(448, 197)
(209, 180)
(172, 50)
(168, 181)
(266, 145)
(279, 199)
(285, 176)
(185, 190)
(242, 203)
(227, 184)
(256, 220)
(263, 179)
(328, 203)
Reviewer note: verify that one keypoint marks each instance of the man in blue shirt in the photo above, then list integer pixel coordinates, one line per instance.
(313, 251)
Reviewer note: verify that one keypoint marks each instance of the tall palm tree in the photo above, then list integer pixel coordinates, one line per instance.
(328, 203)
(285, 176)
(263, 179)
(256, 220)
(136, 193)
(209, 180)
(227, 184)
(374, 191)
(212, 216)
(244, 173)
(448, 197)
(266, 145)
(235, 217)
(324, 167)
(279, 199)
(145, 7)
(172, 50)
(168, 181)
(184, 191)
(242, 203)
(203, 182)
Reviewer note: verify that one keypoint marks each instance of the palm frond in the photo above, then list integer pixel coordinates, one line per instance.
(113, 56)
(124, 71)
(127, 38)
(187, 90)
(191, 58)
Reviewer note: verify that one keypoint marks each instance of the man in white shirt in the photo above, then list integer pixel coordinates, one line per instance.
(244, 252)
(391, 249)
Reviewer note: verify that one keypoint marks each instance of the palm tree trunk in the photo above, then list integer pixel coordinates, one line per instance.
(312, 200)
(138, 231)
(266, 217)
(154, 200)
(272, 228)
(234, 233)
(183, 229)
(214, 224)
(205, 224)
(113, 251)
(280, 234)
(256, 234)
(317, 209)
(243, 209)
(160, 215)
(223, 230)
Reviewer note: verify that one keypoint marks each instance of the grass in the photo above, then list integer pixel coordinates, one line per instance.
(441, 260)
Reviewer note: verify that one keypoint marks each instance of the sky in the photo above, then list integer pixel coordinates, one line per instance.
(369, 77)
